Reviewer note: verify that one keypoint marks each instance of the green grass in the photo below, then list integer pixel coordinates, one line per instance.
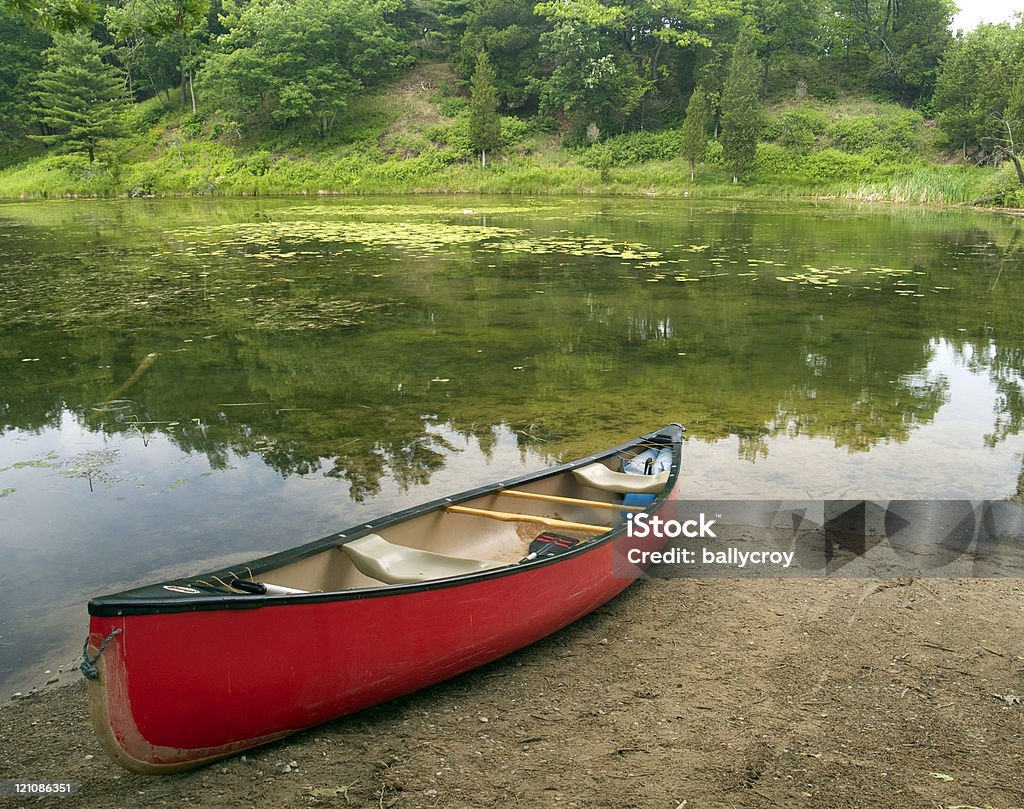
(192, 168)
(415, 140)
(923, 184)
(58, 176)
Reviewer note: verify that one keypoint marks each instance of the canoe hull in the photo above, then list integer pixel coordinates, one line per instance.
(180, 689)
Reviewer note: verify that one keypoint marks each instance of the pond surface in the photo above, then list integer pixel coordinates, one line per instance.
(190, 383)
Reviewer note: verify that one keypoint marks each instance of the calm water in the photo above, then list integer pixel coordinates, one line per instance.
(186, 383)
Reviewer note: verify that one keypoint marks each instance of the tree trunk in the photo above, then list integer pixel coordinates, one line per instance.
(735, 179)
(483, 158)
(1009, 148)
(1016, 164)
(192, 92)
(692, 164)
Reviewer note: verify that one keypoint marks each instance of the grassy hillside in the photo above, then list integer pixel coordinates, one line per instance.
(414, 138)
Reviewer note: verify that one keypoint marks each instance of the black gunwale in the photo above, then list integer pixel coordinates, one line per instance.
(125, 603)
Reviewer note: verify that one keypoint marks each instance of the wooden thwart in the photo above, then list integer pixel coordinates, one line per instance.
(548, 522)
(569, 501)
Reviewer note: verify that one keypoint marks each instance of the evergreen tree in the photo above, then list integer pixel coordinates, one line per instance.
(742, 116)
(80, 99)
(484, 123)
(695, 128)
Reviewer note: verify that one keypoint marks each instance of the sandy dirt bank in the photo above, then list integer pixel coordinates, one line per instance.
(682, 693)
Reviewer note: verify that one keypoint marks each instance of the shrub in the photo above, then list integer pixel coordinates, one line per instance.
(714, 152)
(192, 125)
(773, 160)
(513, 130)
(141, 117)
(258, 163)
(894, 132)
(142, 180)
(1015, 198)
(639, 147)
(633, 147)
(855, 134)
(797, 129)
(420, 167)
(830, 165)
(1002, 187)
(901, 132)
(451, 106)
(406, 143)
(457, 137)
(226, 129)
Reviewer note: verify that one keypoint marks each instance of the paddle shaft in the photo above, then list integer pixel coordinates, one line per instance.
(548, 522)
(569, 501)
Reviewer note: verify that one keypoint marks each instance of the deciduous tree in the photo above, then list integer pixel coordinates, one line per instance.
(980, 92)
(154, 33)
(56, 16)
(300, 61)
(21, 60)
(896, 44)
(592, 75)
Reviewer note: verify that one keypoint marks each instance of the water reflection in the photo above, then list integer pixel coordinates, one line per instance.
(93, 511)
(946, 456)
(179, 388)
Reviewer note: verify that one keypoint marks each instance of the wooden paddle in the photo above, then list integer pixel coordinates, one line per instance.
(547, 522)
(569, 501)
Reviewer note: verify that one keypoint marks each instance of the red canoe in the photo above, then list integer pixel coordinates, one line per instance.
(367, 614)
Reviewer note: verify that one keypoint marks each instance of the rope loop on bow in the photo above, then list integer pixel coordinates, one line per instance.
(88, 667)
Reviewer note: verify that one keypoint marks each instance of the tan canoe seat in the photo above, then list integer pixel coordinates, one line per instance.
(379, 559)
(599, 476)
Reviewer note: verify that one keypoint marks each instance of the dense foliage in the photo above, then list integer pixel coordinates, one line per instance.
(269, 74)
(980, 94)
(80, 99)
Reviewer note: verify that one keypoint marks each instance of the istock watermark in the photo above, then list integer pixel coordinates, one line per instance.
(641, 526)
(824, 538)
(730, 556)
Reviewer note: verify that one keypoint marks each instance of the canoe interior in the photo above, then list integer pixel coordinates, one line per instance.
(459, 535)
(323, 567)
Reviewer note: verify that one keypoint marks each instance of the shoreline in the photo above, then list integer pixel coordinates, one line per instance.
(1014, 213)
(553, 194)
(830, 693)
(541, 170)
